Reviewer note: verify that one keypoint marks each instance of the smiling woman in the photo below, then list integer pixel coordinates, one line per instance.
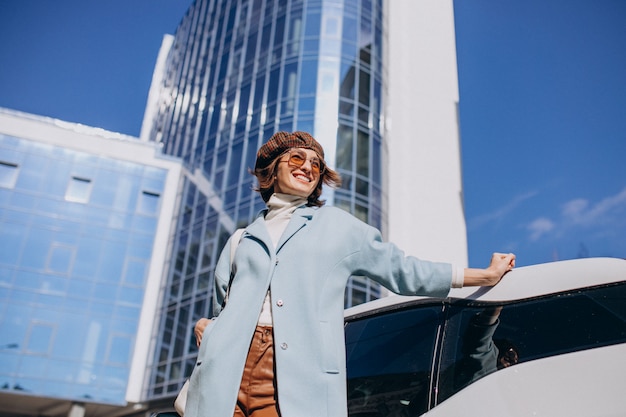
(276, 347)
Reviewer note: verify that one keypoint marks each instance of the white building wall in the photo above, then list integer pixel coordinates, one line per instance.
(155, 87)
(426, 215)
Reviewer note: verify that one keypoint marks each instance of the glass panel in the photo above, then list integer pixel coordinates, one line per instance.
(144, 224)
(119, 349)
(364, 88)
(344, 147)
(349, 29)
(129, 295)
(482, 340)
(40, 337)
(78, 190)
(234, 168)
(104, 192)
(11, 242)
(33, 172)
(389, 362)
(362, 187)
(363, 154)
(312, 25)
(377, 158)
(135, 272)
(8, 174)
(148, 203)
(60, 259)
(86, 256)
(35, 252)
(112, 259)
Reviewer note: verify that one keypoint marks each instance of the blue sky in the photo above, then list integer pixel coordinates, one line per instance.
(542, 105)
(543, 127)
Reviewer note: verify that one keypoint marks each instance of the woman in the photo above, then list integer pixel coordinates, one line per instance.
(289, 271)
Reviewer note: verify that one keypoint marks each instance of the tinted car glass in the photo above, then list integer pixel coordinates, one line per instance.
(389, 362)
(526, 331)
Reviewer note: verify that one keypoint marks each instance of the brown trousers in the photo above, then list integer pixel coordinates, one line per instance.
(257, 393)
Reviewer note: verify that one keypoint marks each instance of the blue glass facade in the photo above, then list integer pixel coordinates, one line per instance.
(76, 236)
(238, 71)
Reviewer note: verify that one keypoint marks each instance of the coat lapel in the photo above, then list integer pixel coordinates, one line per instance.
(299, 219)
(258, 230)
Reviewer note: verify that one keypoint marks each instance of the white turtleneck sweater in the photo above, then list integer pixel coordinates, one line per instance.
(280, 208)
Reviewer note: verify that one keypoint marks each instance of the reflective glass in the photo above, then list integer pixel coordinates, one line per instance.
(78, 190)
(144, 224)
(32, 172)
(39, 338)
(120, 349)
(60, 259)
(105, 190)
(129, 295)
(32, 367)
(482, 340)
(362, 154)
(389, 362)
(148, 202)
(37, 245)
(87, 255)
(111, 262)
(8, 174)
(135, 272)
(313, 24)
(126, 194)
(11, 242)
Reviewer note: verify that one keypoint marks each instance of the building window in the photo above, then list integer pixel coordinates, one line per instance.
(78, 190)
(8, 174)
(148, 203)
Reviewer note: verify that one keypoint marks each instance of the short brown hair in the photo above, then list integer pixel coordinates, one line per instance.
(265, 168)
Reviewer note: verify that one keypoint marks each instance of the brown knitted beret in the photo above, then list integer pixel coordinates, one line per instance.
(282, 141)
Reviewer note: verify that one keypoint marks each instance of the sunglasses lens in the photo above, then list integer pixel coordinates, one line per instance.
(315, 166)
(299, 158)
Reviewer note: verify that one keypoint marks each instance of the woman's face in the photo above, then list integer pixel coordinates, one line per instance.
(298, 172)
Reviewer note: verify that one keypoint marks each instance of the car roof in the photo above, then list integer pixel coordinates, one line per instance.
(521, 283)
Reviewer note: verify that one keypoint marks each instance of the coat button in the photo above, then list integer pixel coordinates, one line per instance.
(279, 303)
(283, 346)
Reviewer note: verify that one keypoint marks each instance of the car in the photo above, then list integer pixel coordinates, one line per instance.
(548, 340)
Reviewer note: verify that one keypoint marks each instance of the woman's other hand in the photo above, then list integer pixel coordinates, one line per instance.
(198, 329)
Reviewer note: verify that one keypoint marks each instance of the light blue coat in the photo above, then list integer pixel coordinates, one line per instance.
(307, 274)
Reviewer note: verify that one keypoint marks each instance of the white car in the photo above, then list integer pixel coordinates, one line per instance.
(548, 340)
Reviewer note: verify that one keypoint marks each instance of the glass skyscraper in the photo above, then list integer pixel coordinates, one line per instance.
(238, 71)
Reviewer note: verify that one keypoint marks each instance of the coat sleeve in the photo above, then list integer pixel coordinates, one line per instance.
(386, 264)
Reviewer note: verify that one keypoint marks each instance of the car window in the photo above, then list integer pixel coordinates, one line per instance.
(479, 340)
(389, 362)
